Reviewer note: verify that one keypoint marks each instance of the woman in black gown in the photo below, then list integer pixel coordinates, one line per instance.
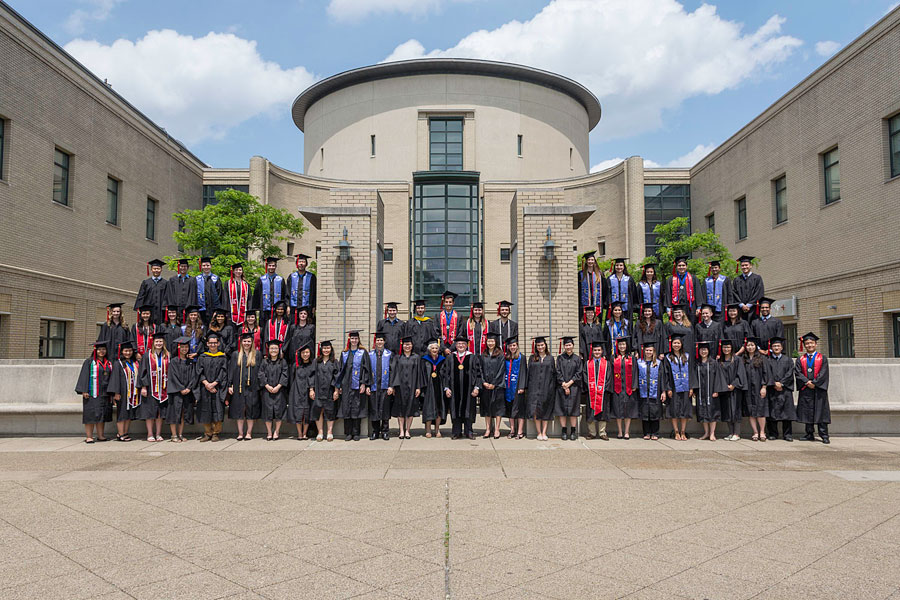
(243, 387)
(92, 385)
(493, 390)
(302, 389)
(325, 397)
(735, 380)
(124, 389)
(273, 391)
(568, 392)
(179, 408)
(755, 404)
(407, 381)
(541, 385)
(435, 373)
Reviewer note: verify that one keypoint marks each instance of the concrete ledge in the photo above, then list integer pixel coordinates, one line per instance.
(314, 214)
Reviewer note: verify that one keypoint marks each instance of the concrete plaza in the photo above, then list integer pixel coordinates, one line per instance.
(449, 519)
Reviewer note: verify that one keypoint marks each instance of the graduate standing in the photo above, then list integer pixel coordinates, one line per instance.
(237, 296)
(154, 382)
(142, 331)
(251, 326)
(649, 289)
(590, 330)
(124, 389)
(621, 287)
(515, 380)
(92, 384)
(766, 327)
(301, 286)
(114, 331)
(707, 330)
(302, 384)
(650, 329)
(747, 289)
(591, 283)
(178, 289)
(708, 383)
(624, 403)
(617, 326)
(755, 404)
(736, 329)
(301, 333)
(492, 397)
(193, 328)
(277, 327)
(407, 383)
(243, 387)
(596, 378)
(379, 391)
(270, 289)
(325, 396)
(182, 382)
(219, 324)
(716, 290)
(392, 327)
(677, 386)
(465, 384)
(503, 325)
(420, 328)
(811, 373)
(569, 372)
(541, 386)
(447, 322)
(683, 288)
(153, 292)
(680, 324)
(172, 327)
(205, 290)
(353, 377)
(212, 376)
(436, 373)
(474, 329)
(273, 390)
(650, 391)
(780, 392)
(734, 377)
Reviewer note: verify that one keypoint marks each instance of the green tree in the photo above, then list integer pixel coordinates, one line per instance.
(674, 240)
(235, 229)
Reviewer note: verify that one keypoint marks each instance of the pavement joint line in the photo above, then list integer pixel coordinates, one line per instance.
(447, 590)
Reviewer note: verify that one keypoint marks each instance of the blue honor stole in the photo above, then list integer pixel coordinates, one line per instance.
(714, 289)
(512, 378)
(300, 288)
(648, 379)
(381, 379)
(650, 293)
(618, 294)
(268, 297)
(680, 372)
(356, 366)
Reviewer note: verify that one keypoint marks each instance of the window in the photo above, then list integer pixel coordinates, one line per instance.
(181, 230)
(662, 203)
(519, 145)
(53, 339)
(504, 254)
(209, 192)
(840, 338)
(322, 158)
(446, 236)
(780, 199)
(290, 249)
(112, 201)
(372, 144)
(151, 218)
(896, 319)
(601, 248)
(2, 143)
(832, 166)
(446, 147)
(741, 207)
(790, 340)
(571, 158)
(61, 177)
(388, 255)
(893, 137)
(711, 222)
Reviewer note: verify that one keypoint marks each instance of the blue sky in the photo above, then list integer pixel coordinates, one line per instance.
(674, 78)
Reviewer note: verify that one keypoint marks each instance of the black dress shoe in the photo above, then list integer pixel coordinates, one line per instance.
(809, 437)
(355, 438)
(574, 435)
(455, 436)
(373, 436)
(826, 440)
(348, 437)
(564, 435)
(385, 435)
(471, 436)
(789, 438)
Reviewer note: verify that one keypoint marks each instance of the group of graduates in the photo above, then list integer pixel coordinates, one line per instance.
(204, 347)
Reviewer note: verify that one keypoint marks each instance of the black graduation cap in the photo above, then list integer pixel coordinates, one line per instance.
(219, 311)
(419, 302)
(461, 338)
(681, 258)
(753, 339)
(493, 334)
(115, 305)
(324, 343)
(597, 344)
(449, 294)
(147, 307)
(431, 341)
(378, 334)
(810, 336)
(206, 259)
(126, 344)
(776, 340)
(161, 333)
(273, 341)
(513, 339)
(506, 303)
(192, 308)
(765, 300)
(183, 340)
(649, 344)
(304, 309)
(726, 342)
(704, 344)
(708, 305)
(650, 263)
(590, 254)
(302, 256)
(390, 305)
(715, 263)
(282, 303)
(589, 308)
(271, 259)
(247, 335)
(211, 335)
(156, 263)
(648, 305)
(478, 305)
(618, 260)
(353, 333)
(409, 338)
(677, 335)
(567, 339)
(100, 343)
(680, 307)
(183, 261)
(539, 338)
(745, 258)
(735, 306)
(237, 265)
(618, 303)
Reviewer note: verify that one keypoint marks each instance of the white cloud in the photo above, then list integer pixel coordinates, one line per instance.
(96, 10)
(686, 160)
(640, 57)
(353, 10)
(827, 48)
(197, 88)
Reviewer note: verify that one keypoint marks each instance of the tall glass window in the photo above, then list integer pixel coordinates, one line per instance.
(662, 203)
(209, 192)
(445, 144)
(151, 218)
(60, 177)
(711, 222)
(53, 339)
(840, 338)
(2, 143)
(894, 133)
(781, 199)
(112, 201)
(832, 165)
(741, 209)
(446, 235)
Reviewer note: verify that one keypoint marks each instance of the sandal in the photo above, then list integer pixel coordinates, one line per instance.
(268, 438)
(512, 435)
(762, 438)
(151, 439)
(486, 436)
(330, 437)
(647, 437)
(89, 441)
(654, 437)
(240, 438)
(102, 439)
(428, 434)
(175, 440)
(626, 437)
(319, 438)
(247, 438)
(520, 436)
(497, 435)
(274, 437)
(755, 437)
(620, 437)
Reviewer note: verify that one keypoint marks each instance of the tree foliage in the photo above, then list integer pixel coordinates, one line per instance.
(235, 229)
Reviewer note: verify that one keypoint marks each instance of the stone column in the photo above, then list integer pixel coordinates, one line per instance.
(634, 209)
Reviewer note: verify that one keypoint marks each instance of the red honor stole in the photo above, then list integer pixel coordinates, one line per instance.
(597, 384)
(159, 376)
(256, 341)
(133, 397)
(238, 306)
(448, 333)
(688, 289)
(143, 337)
(470, 333)
(817, 364)
(621, 363)
(277, 330)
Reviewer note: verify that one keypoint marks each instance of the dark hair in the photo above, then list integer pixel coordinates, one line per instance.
(756, 361)
(647, 326)
(497, 351)
(644, 275)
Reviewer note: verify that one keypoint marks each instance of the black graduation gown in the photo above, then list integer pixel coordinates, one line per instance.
(257, 298)
(244, 381)
(182, 375)
(324, 379)
(353, 404)
(626, 288)
(299, 404)
(687, 342)
(506, 330)
(657, 336)
(178, 292)
(747, 291)
(588, 333)
(155, 294)
(757, 378)
(173, 332)
(462, 329)
(275, 373)
(517, 408)
(703, 333)
(607, 390)
(228, 341)
(679, 406)
(150, 406)
(299, 337)
(812, 404)
(142, 345)
(313, 288)
(492, 403)
(393, 331)
(650, 408)
(118, 384)
(276, 327)
(114, 335)
(623, 405)
(681, 297)
(406, 378)
(437, 379)
(733, 373)
(462, 383)
(766, 330)
(214, 295)
(226, 299)
(541, 385)
(378, 398)
(96, 408)
(708, 379)
(210, 407)
(781, 404)
(708, 296)
(610, 334)
(737, 333)
(568, 368)
(646, 295)
(421, 332)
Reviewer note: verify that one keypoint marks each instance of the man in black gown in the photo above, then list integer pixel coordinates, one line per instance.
(179, 288)
(747, 289)
(153, 292)
(465, 379)
(391, 327)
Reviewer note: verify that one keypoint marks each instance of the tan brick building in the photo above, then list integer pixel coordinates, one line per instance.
(447, 173)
